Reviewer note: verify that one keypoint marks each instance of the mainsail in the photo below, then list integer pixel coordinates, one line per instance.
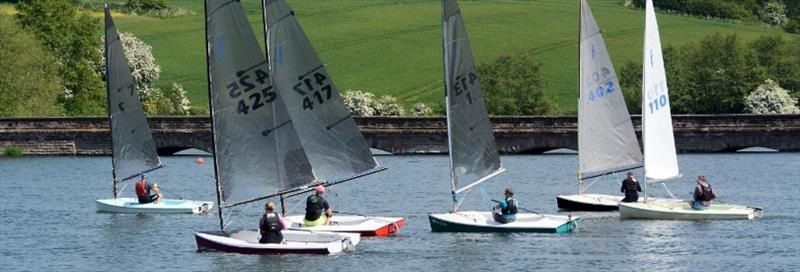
(660, 159)
(132, 145)
(257, 153)
(606, 139)
(335, 147)
(473, 152)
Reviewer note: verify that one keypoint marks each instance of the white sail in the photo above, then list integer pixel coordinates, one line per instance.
(660, 158)
(606, 139)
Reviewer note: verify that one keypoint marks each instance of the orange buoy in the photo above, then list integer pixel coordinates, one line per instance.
(200, 160)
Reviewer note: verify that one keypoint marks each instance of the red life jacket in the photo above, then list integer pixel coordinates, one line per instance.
(141, 189)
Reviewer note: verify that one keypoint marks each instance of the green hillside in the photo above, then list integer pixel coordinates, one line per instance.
(394, 46)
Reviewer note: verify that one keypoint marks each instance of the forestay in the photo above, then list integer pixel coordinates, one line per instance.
(335, 147)
(660, 158)
(257, 152)
(473, 152)
(133, 148)
(606, 139)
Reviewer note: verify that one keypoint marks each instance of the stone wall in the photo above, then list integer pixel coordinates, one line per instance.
(410, 135)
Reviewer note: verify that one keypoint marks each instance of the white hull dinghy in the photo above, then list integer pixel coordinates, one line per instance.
(294, 242)
(133, 151)
(682, 210)
(473, 151)
(131, 205)
(660, 158)
(607, 142)
(483, 222)
(364, 225)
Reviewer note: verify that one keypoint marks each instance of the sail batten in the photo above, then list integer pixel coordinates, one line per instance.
(473, 151)
(606, 138)
(334, 145)
(660, 157)
(133, 148)
(257, 151)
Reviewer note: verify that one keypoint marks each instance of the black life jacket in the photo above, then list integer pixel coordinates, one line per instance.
(631, 186)
(270, 224)
(141, 189)
(314, 207)
(511, 206)
(707, 193)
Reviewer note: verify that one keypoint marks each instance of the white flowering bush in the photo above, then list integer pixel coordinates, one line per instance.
(388, 106)
(360, 103)
(143, 65)
(420, 109)
(177, 96)
(770, 98)
(774, 13)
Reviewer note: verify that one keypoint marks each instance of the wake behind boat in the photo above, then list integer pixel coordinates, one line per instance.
(606, 140)
(132, 146)
(334, 148)
(472, 148)
(660, 157)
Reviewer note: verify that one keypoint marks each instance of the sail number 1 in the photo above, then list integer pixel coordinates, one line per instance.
(314, 88)
(460, 85)
(245, 84)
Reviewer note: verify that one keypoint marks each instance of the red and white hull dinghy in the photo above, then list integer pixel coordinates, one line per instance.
(364, 225)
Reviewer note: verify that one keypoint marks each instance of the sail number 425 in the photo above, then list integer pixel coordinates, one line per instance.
(245, 84)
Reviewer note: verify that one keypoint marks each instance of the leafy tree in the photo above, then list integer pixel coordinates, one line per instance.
(513, 86)
(29, 82)
(779, 59)
(771, 98)
(143, 65)
(714, 76)
(145, 5)
(70, 36)
(630, 80)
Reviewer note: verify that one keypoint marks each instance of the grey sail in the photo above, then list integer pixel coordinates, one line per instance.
(473, 151)
(133, 148)
(328, 133)
(606, 139)
(257, 153)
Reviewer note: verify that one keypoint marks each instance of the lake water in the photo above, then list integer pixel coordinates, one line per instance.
(48, 220)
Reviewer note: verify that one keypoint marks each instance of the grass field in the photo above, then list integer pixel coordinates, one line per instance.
(394, 46)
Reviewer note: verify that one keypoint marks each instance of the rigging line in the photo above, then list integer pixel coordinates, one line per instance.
(668, 192)
(123, 187)
(464, 196)
(590, 184)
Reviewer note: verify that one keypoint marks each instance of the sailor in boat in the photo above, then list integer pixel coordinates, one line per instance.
(271, 225)
(144, 188)
(703, 194)
(318, 212)
(630, 186)
(507, 208)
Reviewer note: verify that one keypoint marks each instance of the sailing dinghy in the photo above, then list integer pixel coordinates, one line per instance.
(606, 140)
(660, 158)
(133, 150)
(336, 150)
(257, 154)
(473, 152)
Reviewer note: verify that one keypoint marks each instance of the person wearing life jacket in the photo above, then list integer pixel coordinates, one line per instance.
(271, 225)
(703, 194)
(143, 191)
(507, 208)
(318, 212)
(630, 186)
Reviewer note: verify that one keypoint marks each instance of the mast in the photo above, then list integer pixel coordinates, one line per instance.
(108, 105)
(644, 106)
(445, 57)
(211, 115)
(580, 19)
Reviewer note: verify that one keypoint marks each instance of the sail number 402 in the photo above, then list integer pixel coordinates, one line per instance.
(314, 90)
(245, 84)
